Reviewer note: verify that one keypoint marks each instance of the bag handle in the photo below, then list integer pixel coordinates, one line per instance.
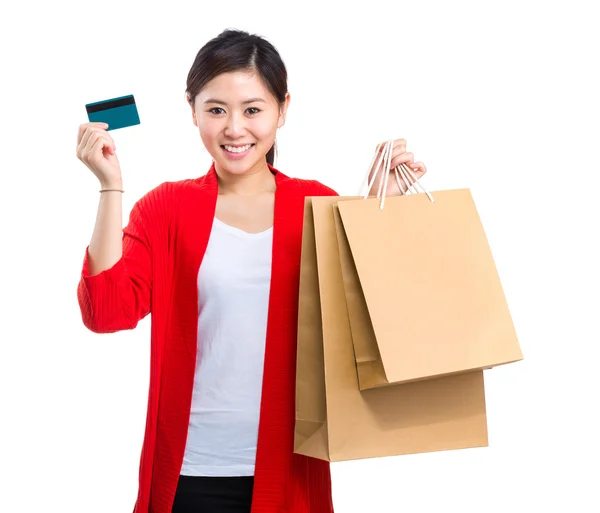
(385, 161)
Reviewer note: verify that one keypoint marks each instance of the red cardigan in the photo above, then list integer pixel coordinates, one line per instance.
(163, 246)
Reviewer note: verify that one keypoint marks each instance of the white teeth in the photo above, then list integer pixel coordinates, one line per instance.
(237, 150)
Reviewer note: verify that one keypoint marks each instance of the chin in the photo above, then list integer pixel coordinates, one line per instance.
(238, 169)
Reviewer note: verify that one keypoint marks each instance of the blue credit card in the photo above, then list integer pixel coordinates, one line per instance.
(116, 112)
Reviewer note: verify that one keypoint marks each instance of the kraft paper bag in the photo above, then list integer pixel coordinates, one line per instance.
(335, 421)
(424, 295)
(369, 366)
(311, 416)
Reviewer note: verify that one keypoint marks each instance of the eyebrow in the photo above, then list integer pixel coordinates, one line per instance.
(220, 102)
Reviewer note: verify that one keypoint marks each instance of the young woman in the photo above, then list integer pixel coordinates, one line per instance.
(216, 260)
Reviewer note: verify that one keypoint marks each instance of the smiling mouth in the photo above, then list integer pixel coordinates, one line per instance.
(237, 149)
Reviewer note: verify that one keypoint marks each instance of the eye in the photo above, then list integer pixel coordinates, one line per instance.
(254, 109)
(215, 108)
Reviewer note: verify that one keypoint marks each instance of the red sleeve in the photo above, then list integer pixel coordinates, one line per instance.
(117, 298)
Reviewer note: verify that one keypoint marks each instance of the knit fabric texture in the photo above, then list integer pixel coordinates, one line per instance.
(163, 246)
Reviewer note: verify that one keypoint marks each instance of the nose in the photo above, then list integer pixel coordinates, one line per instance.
(235, 126)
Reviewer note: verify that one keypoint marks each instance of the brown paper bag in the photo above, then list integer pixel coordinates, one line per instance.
(424, 295)
(369, 366)
(335, 421)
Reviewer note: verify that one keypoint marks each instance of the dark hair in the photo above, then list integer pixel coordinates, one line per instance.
(237, 50)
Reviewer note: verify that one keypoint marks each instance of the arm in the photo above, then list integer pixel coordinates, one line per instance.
(115, 286)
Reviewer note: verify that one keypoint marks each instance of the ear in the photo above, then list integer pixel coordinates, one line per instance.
(283, 110)
(189, 100)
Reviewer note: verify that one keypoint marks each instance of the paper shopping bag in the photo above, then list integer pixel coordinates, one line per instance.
(423, 292)
(369, 366)
(335, 421)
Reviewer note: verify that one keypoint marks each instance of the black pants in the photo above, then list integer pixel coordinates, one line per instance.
(199, 494)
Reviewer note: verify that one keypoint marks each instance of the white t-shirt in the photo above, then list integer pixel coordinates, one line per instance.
(233, 297)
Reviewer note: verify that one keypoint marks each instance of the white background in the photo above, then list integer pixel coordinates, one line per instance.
(500, 97)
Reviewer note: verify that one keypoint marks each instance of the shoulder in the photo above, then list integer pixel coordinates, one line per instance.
(160, 203)
(157, 209)
(164, 193)
(311, 187)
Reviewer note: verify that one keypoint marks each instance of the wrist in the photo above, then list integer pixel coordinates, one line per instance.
(115, 184)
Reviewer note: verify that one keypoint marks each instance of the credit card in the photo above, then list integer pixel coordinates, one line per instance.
(116, 112)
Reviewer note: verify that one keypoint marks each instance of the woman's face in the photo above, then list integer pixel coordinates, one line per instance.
(238, 118)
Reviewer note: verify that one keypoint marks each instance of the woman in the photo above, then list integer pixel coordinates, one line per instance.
(216, 260)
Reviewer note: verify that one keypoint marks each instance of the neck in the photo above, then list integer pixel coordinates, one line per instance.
(255, 181)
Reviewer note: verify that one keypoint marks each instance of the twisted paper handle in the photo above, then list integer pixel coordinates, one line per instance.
(385, 161)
